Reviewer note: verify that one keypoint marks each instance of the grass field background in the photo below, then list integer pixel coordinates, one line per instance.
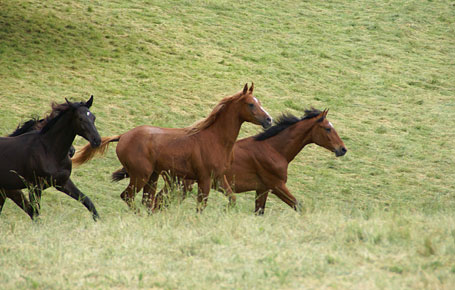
(383, 216)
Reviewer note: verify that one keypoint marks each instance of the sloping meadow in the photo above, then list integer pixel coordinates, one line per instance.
(382, 216)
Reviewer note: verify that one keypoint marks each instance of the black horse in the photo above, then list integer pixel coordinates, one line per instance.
(36, 124)
(39, 159)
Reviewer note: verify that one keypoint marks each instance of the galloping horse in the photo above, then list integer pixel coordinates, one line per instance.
(200, 152)
(39, 159)
(261, 161)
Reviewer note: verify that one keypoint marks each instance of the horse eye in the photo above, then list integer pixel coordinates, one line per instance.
(251, 106)
(328, 130)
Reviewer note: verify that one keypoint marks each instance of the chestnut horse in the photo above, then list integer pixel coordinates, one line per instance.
(261, 162)
(39, 159)
(201, 152)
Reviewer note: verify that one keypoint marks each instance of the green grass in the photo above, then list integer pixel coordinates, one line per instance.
(383, 216)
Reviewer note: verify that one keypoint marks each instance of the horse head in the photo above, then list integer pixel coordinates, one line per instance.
(84, 122)
(251, 109)
(325, 135)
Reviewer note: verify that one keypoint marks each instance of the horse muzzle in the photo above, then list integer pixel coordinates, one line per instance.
(267, 123)
(95, 142)
(340, 151)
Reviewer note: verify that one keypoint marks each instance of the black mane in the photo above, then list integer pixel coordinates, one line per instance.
(285, 121)
(25, 127)
(57, 112)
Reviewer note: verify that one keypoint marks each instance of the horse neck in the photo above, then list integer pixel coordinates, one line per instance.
(59, 138)
(291, 141)
(226, 127)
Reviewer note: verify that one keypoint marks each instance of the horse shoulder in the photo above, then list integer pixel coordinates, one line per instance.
(270, 164)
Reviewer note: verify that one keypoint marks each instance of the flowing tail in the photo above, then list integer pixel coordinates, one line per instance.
(86, 153)
(120, 174)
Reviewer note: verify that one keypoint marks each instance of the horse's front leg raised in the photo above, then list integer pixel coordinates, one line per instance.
(70, 189)
(285, 195)
(203, 193)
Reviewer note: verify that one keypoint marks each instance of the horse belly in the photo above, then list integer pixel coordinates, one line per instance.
(243, 181)
(180, 166)
(9, 181)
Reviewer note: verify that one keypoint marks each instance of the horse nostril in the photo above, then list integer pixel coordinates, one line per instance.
(269, 119)
(344, 150)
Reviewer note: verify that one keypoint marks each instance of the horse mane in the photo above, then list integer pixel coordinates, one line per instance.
(26, 127)
(57, 111)
(285, 121)
(210, 119)
(38, 124)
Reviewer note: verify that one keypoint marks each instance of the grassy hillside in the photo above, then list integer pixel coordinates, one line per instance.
(383, 216)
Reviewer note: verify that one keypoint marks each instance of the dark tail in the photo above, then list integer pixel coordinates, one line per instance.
(120, 174)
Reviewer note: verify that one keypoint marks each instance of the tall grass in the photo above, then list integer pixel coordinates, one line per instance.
(380, 217)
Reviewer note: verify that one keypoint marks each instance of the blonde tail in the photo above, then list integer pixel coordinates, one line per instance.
(86, 153)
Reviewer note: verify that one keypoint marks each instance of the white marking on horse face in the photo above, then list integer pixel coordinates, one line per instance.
(257, 101)
(88, 114)
(330, 124)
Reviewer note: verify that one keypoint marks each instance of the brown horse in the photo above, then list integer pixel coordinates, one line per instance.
(261, 162)
(200, 152)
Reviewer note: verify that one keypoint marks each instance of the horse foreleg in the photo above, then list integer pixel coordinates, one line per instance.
(70, 189)
(228, 191)
(203, 193)
(136, 185)
(283, 193)
(261, 199)
(19, 198)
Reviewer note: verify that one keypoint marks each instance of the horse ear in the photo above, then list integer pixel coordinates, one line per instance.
(251, 88)
(245, 89)
(325, 112)
(321, 116)
(69, 103)
(89, 102)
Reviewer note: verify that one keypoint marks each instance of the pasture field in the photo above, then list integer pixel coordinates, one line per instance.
(381, 217)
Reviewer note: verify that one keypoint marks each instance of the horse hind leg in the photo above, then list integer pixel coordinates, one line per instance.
(137, 182)
(20, 200)
(148, 196)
